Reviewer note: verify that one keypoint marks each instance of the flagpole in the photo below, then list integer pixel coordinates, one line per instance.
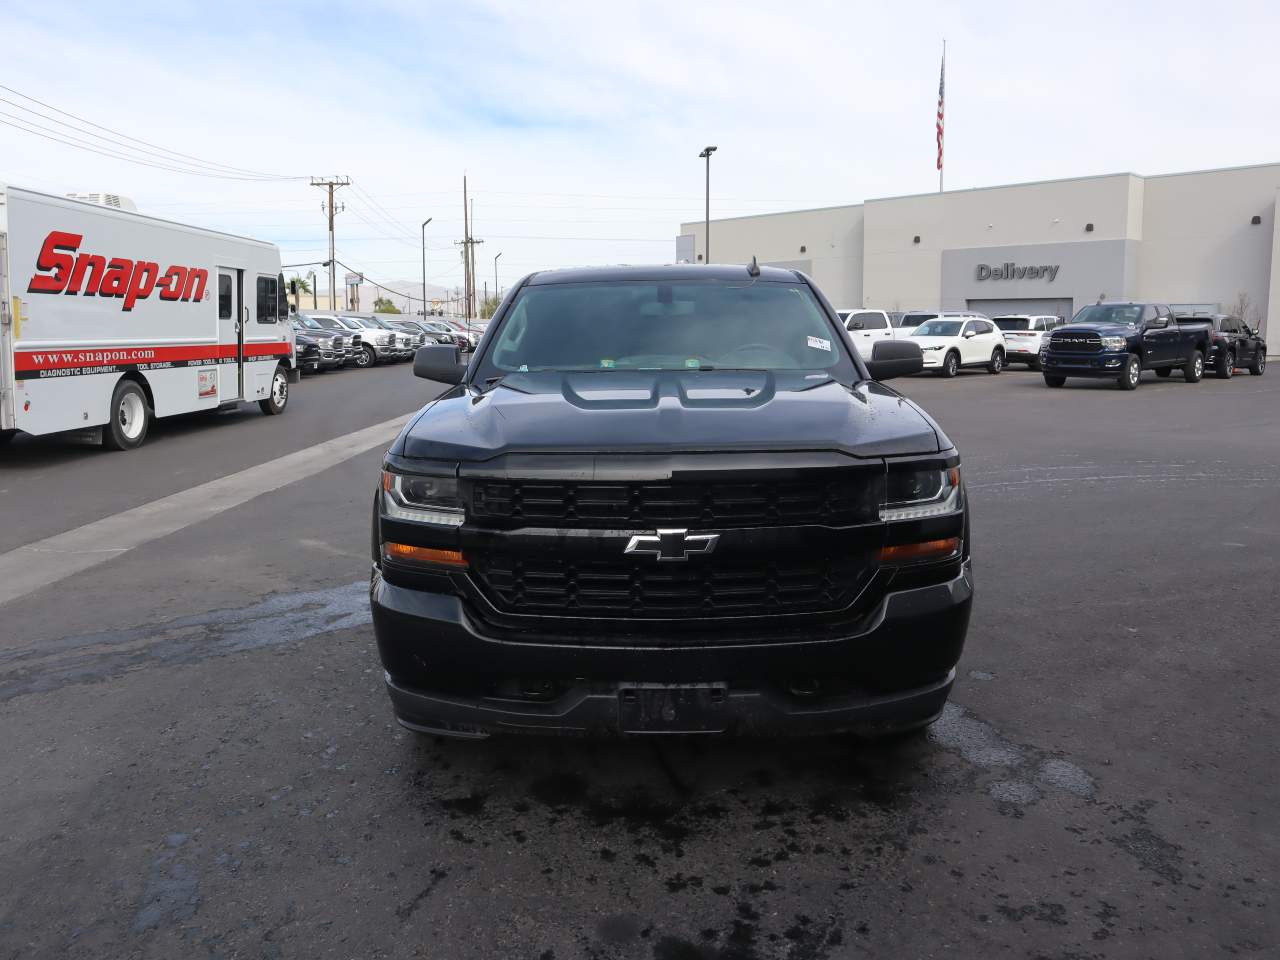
(941, 133)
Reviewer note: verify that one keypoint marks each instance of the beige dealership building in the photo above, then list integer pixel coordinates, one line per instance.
(1197, 241)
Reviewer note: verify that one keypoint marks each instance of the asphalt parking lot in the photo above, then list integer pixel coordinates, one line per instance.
(200, 760)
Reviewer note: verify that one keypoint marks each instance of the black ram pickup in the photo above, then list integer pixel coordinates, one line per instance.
(1117, 341)
(669, 500)
(1234, 345)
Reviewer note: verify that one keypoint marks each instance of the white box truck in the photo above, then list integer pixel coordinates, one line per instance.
(109, 318)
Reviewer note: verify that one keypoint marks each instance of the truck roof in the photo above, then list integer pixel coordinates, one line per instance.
(101, 210)
(673, 271)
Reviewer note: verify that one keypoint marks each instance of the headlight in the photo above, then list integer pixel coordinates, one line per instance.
(931, 348)
(422, 499)
(917, 494)
(1114, 343)
(383, 339)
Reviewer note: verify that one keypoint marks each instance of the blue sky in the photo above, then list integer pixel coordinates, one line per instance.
(579, 124)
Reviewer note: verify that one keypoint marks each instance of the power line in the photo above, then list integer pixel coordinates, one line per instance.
(82, 145)
(251, 174)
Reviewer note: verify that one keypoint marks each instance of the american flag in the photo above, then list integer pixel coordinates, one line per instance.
(942, 98)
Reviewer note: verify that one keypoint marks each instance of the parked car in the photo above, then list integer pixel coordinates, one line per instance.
(1118, 340)
(1023, 336)
(1233, 345)
(306, 352)
(447, 333)
(346, 344)
(866, 329)
(953, 341)
(771, 541)
(378, 344)
(328, 353)
(412, 328)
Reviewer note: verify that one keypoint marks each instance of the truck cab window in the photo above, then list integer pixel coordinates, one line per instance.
(267, 301)
(224, 297)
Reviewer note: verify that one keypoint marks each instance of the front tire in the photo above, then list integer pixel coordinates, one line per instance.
(1225, 365)
(278, 398)
(950, 365)
(1259, 366)
(1051, 381)
(1132, 373)
(367, 357)
(1194, 368)
(997, 361)
(128, 417)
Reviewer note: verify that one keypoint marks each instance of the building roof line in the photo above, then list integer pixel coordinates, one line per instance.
(996, 186)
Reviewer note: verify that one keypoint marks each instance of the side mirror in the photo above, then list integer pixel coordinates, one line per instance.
(438, 362)
(895, 358)
(854, 325)
(969, 334)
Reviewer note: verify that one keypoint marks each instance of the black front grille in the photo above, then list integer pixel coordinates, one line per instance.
(644, 588)
(1076, 342)
(849, 498)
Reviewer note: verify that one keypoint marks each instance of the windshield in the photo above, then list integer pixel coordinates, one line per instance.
(938, 328)
(657, 325)
(912, 319)
(323, 323)
(1109, 313)
(1012, 323)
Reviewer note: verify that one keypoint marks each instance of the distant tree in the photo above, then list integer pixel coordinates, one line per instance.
(489, 307)
(384, 305)
(304, 285)
(1243, 308)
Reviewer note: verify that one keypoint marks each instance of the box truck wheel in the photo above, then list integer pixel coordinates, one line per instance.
(278, 399)
(128, 417)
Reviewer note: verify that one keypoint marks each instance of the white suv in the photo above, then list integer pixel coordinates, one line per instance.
(866, 329)
(956, 340)
(1023, 335)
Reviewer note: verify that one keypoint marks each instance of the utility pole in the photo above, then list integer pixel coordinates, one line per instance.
(706, 230)
(472, 248)
(424, 265)
(497, 291)
(331, 185)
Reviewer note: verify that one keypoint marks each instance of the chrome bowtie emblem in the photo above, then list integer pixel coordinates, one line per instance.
(672, 544)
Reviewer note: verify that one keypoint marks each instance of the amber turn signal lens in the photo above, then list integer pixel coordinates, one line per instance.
(928, 550)
(404, 551)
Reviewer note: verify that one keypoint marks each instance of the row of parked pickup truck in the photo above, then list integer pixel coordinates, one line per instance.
(1115, 340)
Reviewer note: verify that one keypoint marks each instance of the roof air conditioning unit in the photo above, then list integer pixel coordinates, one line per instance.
(106, 200)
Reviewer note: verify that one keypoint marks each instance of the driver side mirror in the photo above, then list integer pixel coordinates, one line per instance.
(970, 334)
(439, 362)
(854, 325)
(894, 358)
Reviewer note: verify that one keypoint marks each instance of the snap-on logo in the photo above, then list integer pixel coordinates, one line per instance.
(62, 269)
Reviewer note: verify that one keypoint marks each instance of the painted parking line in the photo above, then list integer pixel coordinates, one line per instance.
(35, 565)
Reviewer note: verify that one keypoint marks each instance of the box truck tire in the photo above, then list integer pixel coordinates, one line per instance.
(128, 417)
(278, 399)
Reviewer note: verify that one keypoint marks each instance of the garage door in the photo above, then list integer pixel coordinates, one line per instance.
(1052, 306)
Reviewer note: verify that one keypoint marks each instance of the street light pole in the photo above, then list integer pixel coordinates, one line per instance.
(424, 265)
(495, 275)
(315, 301)
(706, 229)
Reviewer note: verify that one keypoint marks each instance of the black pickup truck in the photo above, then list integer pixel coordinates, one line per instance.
(1117, 341)
(669, 500)
(1233, 344)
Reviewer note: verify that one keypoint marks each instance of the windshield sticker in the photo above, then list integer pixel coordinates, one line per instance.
(607, 364)
(692, 364)
(817, 343)
(524, 368)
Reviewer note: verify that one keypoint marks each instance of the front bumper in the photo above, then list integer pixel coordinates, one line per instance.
(933, 358)
(1110, 363)
(894, 672)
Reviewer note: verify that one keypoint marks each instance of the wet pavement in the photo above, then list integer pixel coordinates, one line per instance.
(200, 761)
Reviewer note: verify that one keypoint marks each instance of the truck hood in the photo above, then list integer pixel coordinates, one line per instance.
(668, 411)
(1102, 329)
